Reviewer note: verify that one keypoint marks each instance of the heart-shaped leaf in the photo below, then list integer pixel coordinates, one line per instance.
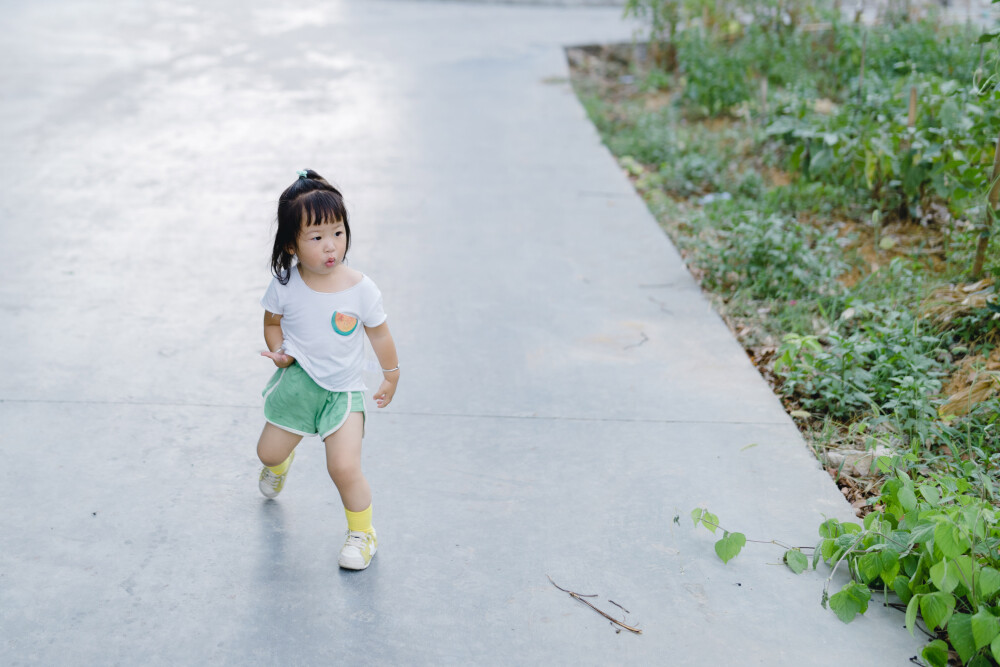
(988, 582)
(936, 653)
(936, 608)
(912, 607)
(949, 539)
(850, 601)
(796, 561)
(960, 634)
(730, 545)
(985, 628)
(944, 575)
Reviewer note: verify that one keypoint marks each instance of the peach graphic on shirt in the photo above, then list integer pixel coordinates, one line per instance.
(344, 324)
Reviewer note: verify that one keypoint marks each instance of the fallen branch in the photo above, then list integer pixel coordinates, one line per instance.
(578, 596)
(619, 606)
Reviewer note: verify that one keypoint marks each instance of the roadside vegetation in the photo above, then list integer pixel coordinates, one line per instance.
(833, 187)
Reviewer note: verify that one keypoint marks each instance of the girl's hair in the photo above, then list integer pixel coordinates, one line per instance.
(308, 201)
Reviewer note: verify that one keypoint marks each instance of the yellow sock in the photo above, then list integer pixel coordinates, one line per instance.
(282, 467)
(359, 521)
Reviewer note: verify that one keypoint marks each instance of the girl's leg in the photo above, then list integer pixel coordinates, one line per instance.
(343, 462)
(275, 445)
(275, 448)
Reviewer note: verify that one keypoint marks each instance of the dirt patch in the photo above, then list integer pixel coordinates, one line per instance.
(657, 100)
(977, 379)
(612, 70)
(775, 177)
(876, 248)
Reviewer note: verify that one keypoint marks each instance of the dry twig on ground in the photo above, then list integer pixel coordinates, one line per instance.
(578, 596)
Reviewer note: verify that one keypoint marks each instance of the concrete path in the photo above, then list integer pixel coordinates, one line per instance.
(566, 389)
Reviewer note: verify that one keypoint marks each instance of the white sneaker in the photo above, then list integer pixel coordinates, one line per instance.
(358, 550)
(271, 483)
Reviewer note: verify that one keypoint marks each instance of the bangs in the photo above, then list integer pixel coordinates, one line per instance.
(319, 207)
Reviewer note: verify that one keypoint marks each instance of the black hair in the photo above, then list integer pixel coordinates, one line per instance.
(310, 200)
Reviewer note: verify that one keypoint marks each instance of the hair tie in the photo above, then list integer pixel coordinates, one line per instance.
(302, 174)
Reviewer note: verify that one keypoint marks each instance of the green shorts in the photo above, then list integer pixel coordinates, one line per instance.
(295, 403)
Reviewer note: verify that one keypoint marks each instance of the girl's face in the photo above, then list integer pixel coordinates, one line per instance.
(320, 249)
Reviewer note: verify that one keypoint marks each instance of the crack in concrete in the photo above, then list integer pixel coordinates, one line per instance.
(236, 406)
(662, 305)
(645, 338)
(630, 420)
(607, 195)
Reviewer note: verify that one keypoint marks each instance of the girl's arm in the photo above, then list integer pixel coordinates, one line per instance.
(274, 339)
(385, 350)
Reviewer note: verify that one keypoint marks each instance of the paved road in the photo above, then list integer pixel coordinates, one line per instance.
(566, 388)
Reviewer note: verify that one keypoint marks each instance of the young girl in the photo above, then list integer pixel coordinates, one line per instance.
(314, 313)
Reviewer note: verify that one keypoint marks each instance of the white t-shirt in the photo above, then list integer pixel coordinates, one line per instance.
(325, 331)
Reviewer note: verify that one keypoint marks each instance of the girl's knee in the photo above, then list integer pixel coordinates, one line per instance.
(344, 472)
(275, 445)
(270, 457)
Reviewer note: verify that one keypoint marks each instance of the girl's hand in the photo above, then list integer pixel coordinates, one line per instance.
(383, 396)
(280, 359)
